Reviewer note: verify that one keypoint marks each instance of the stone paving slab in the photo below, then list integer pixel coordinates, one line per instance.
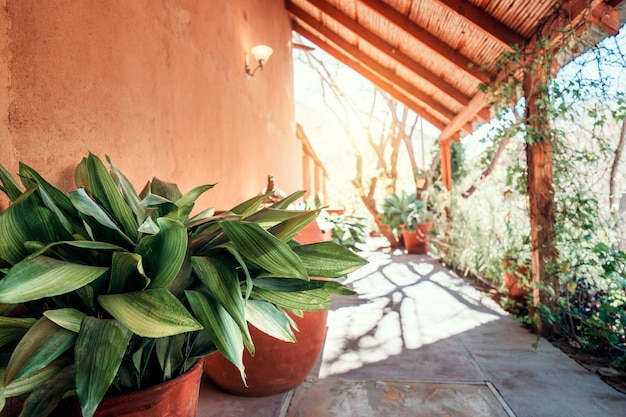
(376, 398)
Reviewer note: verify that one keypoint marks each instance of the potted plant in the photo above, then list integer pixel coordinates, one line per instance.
(408, 216)
(278, 364)
(123, 291)
(516, 274)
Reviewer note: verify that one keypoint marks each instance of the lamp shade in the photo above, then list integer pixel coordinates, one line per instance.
(261, 53)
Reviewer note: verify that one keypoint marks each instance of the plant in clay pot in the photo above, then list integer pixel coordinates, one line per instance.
(408, 217)
(123, 291)
(516, 275)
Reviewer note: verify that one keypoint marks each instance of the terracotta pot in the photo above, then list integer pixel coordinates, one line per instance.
(277, 366)
(311, 233)
(177, 397)
(516, 292)
(417, 241)
(338, 211)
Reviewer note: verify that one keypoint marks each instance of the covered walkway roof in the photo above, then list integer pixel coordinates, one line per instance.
(433, 55)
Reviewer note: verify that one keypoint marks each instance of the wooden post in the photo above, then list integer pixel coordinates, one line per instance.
(446, 163)
(445, 158)
(318, 178)
(306, 174)
(540, 183)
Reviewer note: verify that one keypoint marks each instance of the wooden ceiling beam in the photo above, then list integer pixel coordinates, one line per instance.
(597, 12)
(484, 114)
(485, 23)
(477, 104)
(390, 51)
(359, 56)
(445, 51)
(570, 15)
(437, 121)
(606, 17)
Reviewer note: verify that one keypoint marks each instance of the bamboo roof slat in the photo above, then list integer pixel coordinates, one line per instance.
(427, 53)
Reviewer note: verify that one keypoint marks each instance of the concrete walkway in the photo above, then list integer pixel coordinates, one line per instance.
(419, 341)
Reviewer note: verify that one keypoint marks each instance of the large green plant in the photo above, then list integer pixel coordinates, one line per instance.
(124, 291)
(403, 211)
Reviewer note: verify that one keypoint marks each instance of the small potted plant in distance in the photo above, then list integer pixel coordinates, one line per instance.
(407, 216)
(123, 293)
(516, 273)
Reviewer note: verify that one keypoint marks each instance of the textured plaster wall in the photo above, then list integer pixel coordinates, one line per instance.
(159, 85)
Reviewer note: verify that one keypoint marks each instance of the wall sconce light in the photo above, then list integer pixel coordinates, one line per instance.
(261, 54)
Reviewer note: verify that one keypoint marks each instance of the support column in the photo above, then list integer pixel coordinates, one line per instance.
(446, 163)
(306, 175)
(540, 183)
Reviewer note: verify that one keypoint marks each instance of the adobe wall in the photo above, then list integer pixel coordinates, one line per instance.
(159, 85)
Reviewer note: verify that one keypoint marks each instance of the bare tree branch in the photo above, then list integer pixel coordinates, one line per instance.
(615, 166)
(490, 167)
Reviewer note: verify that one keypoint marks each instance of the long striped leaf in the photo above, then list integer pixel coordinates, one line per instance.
(55, 200)
(125, 276)
(25, 220)
(184, 279)
(13, 328)
(40, 277)
(68, 318)
(164, 253)
(202, 217)
(221, 280)
(285, 202)
(167, 190)
(289, 228)
(85, 205)
(130, 194)
(43, 343)
(82, 244)
(99, 351)
(220, 326)
(249, 206)
(27, 384)
(150, 313)
(269, 217)
(169, 352)
(10, 187)
(265, 250)
(328, 259)
(244, 268)
(294, 294)
(81, 174)
(270, 319)
(191, 196)
(105, 191)
(152, 200)
(71, 223)
(44, 399)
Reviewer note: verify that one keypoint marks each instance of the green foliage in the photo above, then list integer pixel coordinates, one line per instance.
(403, 211)
(347, 230)
(581, 116)
(127, 290)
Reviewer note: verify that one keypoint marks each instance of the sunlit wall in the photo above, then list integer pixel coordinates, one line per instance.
(159, 85)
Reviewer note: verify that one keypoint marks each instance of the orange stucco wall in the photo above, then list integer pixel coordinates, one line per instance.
(159, 85)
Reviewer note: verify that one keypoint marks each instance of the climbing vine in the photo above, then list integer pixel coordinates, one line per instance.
(584, 112)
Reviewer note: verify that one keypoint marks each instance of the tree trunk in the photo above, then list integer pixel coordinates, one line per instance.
(613, 199)
(370, 204)
(490, 167)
